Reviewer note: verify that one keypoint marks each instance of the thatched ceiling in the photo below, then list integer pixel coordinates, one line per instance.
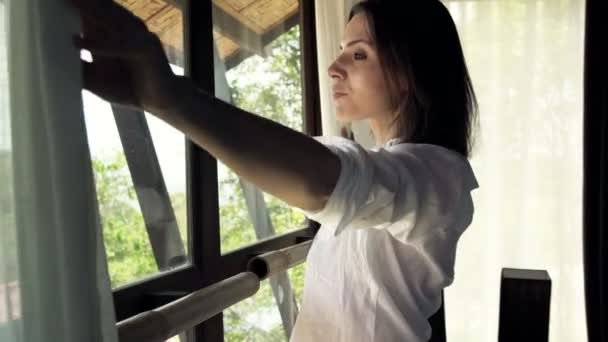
(241, 27)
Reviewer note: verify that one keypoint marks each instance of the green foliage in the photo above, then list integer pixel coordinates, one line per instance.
(179, 202)
(269, 87)
(127, 244)
(274, 92)
(236, 228)
(272, 86)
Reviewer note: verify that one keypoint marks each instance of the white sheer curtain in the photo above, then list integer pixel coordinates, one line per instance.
(526, 62)
(54, 284)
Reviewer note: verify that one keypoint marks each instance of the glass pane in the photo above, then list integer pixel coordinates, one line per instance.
(260, 318)
(526, 63)
(257, 68)
(131, 253)
(178, 338)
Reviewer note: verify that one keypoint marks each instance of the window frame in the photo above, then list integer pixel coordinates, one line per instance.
(207, 264)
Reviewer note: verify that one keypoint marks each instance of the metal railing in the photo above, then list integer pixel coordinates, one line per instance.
(173, 318)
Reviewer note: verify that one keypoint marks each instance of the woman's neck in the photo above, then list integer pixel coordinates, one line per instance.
(385, 129)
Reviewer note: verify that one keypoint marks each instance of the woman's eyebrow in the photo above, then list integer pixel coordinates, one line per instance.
(356, 41)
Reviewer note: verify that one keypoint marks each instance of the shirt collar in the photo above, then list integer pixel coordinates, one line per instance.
(394, 141)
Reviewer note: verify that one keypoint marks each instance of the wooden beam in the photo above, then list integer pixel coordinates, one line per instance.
(230, 27)
(241, 54)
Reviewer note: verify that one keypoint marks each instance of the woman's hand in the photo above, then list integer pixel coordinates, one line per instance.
(129, 65)
(130, 68)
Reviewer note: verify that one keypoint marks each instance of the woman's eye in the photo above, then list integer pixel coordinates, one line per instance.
(358, 55)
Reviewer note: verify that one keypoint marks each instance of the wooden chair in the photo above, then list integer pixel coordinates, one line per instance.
(525, 303)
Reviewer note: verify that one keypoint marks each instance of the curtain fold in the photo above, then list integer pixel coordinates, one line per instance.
(596, 171)
(330, 19)
(10, 308)
(60, 286)
(526, 64)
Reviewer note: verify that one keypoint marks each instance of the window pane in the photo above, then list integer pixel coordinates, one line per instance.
(260, 318)
(526, 63)
(257, 68)
(129, 213)
(178, 338)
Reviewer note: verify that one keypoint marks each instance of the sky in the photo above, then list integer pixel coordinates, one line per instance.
(104, 140)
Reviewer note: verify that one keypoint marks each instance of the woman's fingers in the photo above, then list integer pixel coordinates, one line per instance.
(83, 4)
(106, 15)
(109, 29)
(124, 16)
(129, 63)
(108, 79)
(109, 45)
(91, 11)
(98, 76)
(112, 31)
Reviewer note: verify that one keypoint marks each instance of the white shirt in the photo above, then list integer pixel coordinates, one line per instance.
(387, 243)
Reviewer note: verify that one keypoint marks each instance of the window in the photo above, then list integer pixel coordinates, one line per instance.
(129, 158)
(258, 68)
(140, 170)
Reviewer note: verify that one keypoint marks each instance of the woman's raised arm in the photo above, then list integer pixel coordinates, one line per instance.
(130, 68)
(283, 162)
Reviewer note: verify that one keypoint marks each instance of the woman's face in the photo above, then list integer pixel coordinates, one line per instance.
(359, 88)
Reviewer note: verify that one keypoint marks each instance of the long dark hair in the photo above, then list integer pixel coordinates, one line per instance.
(419, 49)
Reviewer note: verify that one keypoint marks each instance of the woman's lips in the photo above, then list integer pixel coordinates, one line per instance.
(337, 95)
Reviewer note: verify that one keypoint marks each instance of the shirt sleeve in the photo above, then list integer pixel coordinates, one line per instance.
(398, 188)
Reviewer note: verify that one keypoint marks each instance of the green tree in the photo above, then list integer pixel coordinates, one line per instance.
(130, 255)
(127, 245)
(277, 96)
(128, 248)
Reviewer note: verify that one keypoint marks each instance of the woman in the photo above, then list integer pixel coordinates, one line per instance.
(391, 216)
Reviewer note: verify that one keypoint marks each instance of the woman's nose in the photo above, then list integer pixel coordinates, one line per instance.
(335, 70)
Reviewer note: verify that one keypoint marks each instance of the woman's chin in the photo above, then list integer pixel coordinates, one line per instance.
(341, 114)
(345, 117)
(344, 120)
